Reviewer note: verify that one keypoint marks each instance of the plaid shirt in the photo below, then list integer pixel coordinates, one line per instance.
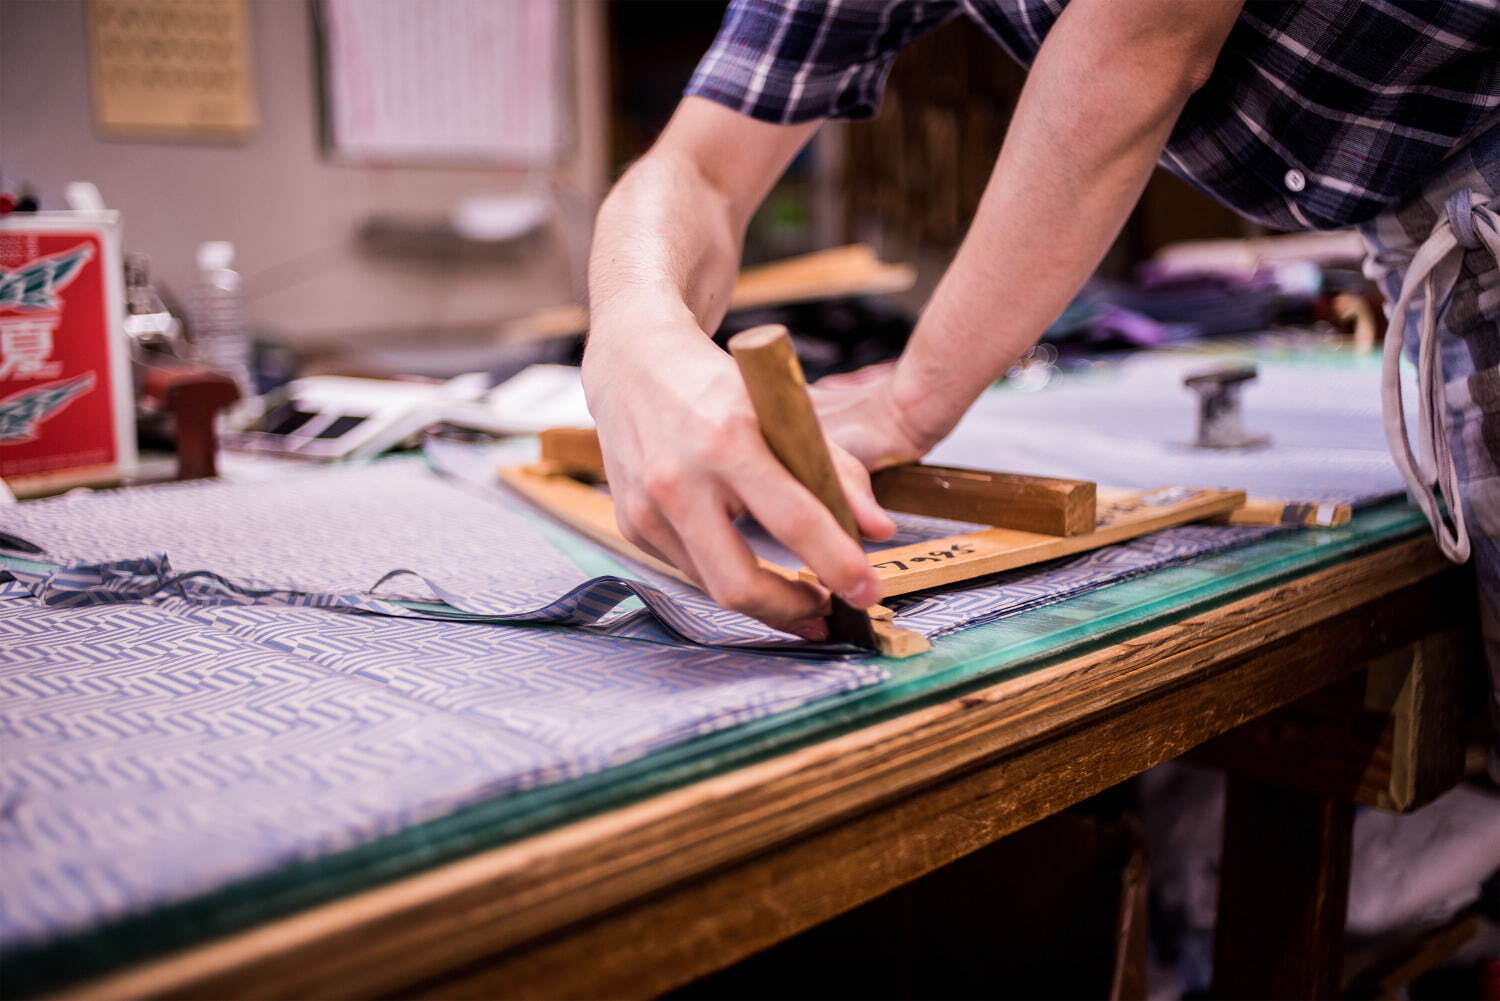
(1318, 114)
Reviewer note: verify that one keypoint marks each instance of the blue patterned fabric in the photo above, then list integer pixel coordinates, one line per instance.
(366, 539)
(339, 654)
(130, 728)
(335, 537)
(1318, 113)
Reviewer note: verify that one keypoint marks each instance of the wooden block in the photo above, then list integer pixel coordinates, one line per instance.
(1423, 689)
(1264, 511)
(575, 451)
(892, 640)
(1043, 504)
(1124, 514)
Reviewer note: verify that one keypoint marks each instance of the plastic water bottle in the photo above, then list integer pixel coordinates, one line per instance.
(216, 308)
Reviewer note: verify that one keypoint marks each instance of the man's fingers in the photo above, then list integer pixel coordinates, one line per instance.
(720, 562)
(645, 528)
(733, 577)
(874, 524)
(790, 512)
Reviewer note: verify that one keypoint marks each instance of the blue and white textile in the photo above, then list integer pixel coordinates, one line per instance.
(247, 644)
(155, 751)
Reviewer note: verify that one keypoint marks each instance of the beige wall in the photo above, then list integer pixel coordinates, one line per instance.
(292, 214)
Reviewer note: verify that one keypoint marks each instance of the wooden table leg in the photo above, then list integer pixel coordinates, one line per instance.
(1283, 893)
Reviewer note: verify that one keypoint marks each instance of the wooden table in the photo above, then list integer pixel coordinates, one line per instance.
(646, 897)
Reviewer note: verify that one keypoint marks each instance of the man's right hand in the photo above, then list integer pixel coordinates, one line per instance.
(685, 457)
(681, 444)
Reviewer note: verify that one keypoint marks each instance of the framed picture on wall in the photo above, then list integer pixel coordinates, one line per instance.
(443, 82)
(165, 69)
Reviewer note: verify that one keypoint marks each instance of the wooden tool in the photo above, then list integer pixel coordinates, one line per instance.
(778, 392)
(574, 451)
(1044, 504)
(1122, 515)
(591, 513)
(1034, 518)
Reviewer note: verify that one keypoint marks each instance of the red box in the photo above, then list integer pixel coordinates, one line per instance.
(67, 414)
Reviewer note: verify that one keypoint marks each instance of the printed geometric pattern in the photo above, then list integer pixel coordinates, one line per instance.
(139, 685)
(337, 528)
(331, 535)
(152, 579)
(128, 727)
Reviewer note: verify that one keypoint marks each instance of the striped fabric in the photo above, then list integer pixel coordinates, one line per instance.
(1318, 114)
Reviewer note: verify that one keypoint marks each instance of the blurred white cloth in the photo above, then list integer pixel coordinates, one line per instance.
(1422, 868)
(1408, 870)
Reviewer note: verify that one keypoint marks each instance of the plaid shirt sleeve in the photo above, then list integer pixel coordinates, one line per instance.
(790, 61)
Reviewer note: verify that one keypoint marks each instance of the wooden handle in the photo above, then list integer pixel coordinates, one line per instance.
(778, 392)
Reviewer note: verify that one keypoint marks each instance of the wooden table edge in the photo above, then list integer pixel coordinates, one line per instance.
(429, 924)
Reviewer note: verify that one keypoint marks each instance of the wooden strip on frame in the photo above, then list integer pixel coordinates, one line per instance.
(1125, 514)
(1044, 504)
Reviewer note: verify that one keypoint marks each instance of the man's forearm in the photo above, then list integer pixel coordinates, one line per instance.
(667, 240)
(682, 449)
(1095, 114)
(666, 247)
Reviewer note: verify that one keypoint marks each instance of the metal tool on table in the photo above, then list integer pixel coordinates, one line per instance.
(1221, 420)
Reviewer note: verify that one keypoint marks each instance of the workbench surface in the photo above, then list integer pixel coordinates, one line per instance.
(1130, 629)
(636, 879)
